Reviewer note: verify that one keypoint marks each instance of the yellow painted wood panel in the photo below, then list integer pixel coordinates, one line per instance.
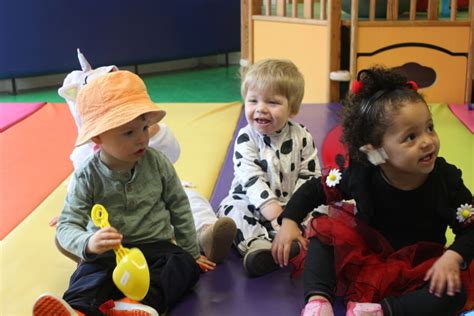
(450, 82)
(452, 38)
(304, 44)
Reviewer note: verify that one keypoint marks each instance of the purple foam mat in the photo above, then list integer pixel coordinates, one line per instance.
(227, 290)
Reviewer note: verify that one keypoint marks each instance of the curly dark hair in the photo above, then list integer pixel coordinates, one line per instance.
(368, 113)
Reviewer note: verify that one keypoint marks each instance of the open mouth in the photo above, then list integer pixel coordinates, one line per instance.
(262, 121)
(140, 152)
(427, 158)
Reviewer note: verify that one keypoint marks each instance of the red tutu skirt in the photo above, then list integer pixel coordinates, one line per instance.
(367, 267)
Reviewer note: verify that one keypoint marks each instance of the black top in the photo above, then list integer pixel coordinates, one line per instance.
(402, 217)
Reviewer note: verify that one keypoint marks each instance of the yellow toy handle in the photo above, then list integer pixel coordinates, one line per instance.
(100, 218)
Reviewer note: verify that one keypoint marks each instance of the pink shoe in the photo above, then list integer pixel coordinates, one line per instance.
(317, 307)
(364, 309)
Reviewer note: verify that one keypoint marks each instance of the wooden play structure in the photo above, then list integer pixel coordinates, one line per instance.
(320, 38)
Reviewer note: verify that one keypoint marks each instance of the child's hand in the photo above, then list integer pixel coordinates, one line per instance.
(289, 231)
(205, 264)
(271, 211)
(107, 238)
(445, 274)
(275, 224)
(53, 221)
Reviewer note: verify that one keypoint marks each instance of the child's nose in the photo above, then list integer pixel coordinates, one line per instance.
(427, 141)
(261, 107)
(144, 138)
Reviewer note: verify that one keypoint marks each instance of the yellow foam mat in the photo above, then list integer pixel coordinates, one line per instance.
(30, 262)
(457, 142)
(457, 146)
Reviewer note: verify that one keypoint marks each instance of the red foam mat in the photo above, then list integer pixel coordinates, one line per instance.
(34, 160)
(13, 113)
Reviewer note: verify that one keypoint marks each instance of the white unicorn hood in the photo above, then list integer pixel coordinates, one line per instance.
(74, 82)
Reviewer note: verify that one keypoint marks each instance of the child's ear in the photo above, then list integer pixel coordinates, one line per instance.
(376, 156)
(97, 140)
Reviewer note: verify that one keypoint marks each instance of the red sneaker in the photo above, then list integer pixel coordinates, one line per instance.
(49, 304)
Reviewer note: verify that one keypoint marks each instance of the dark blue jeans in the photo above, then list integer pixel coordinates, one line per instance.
(173, 272)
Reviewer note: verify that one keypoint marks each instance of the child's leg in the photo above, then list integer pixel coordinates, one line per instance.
(203, 214)
(173, 272)
(215, 235)
(248, 225)
(422, 302)
(91, 285)
(319, 271)
(319, 279)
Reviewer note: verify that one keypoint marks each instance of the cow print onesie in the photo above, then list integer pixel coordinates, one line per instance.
(267, 168)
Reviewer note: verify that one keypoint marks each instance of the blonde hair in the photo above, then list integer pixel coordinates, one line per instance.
(280, 76)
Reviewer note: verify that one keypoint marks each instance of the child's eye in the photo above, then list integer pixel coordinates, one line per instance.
(431, 128)
(251, 101)
(410, 137)
(128, 133)
(146, 127)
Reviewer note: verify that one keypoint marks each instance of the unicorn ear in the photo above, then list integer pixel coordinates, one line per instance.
(69, 92)
(85, 66)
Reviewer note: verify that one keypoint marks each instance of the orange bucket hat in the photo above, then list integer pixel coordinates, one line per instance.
(112, 100)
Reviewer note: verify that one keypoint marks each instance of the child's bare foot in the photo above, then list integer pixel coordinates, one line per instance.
(216, 240)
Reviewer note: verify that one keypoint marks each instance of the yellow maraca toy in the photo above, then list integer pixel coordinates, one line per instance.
(131, 275)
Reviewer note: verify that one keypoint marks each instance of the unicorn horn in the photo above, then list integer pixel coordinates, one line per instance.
(83, 61)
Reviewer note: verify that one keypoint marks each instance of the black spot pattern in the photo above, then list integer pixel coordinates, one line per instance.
(238, 155)
(285, 194)
(252, 221)
(305, 142)
(278, 193)
(227, 209)
(312, 166)
(251, 208)
(251, 181)
(262, 164)
(293, 166)
(239, 164)
(236, 197)
(277, 154)
(290, 124)
(264, 194)
(287, 147)
(239, 237)
(238, 190)
(267, 141)
(243, 138)
(281, 177)
(304, 176)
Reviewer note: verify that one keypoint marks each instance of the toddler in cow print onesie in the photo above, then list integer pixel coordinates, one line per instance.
(273, 156)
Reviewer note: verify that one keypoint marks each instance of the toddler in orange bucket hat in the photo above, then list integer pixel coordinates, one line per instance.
(112, 100)
(148, 208)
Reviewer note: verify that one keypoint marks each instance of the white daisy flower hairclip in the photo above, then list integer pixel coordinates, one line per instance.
(333, 178)
(464, 212)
